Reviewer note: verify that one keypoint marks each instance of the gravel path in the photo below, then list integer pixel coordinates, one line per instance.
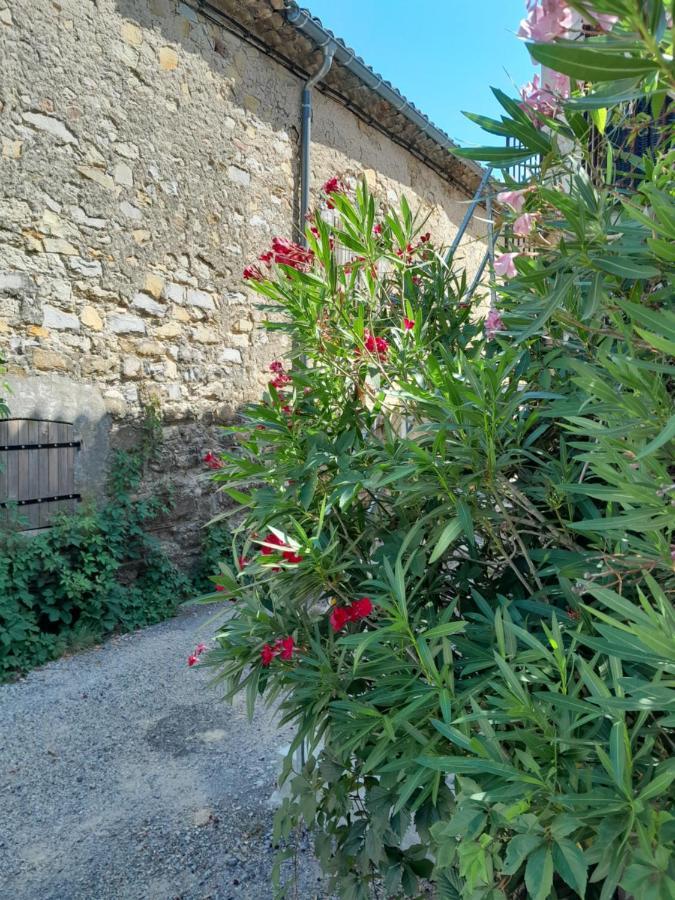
(122, 777)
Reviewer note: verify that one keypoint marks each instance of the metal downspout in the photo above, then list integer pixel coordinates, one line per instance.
(328, 50)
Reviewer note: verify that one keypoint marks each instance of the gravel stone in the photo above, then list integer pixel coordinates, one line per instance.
(124, 777)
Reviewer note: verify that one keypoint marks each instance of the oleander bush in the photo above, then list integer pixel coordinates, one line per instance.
(452, 561)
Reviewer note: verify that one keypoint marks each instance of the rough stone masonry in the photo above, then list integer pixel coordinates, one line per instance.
(147, 154)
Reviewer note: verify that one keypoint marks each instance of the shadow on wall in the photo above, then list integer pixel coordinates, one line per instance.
(57, 398)
(272, 93)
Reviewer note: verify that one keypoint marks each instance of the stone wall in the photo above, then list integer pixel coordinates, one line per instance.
(147, 155)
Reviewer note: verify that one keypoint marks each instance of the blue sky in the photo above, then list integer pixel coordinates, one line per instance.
(443, 55)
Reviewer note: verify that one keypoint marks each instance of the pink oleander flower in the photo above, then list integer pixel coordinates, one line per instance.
(493, 323)
(277, 367)
(514, 199)
(408, 324)
(377, 229)
(199, 649)
(504, 265)
(545, 23)
(525, 223)
(603, 21)
(538, 98)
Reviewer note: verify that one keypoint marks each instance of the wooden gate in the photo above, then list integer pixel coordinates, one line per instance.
(37, 470)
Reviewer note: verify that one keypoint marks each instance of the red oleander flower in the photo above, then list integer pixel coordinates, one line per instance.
(212, 461)
(271, 539)
(377, 345)
(287, 253)
(285, 647)
(292, 557)
(408, 324)
(192, 660)
(277, 367)
(242, 562)
(253, 273)
(332, 186)
(360, 609)
(280, 381)
(339, 617)
(377, 229)
(425, 238)
(220, 587)
(267, 655)
(266, 258)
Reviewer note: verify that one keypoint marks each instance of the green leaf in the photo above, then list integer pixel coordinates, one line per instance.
(589, 63)
(449, 534)
(571, 865)
(626, 268)
(518, 849)
(539, 874)
(497, 156)
(668, 434)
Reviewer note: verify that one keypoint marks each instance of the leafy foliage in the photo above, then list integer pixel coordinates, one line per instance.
(501, 723)
(90, 573)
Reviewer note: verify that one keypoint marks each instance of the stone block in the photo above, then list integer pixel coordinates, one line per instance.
(204, 335)
(131, 366)
(148, 305)
(200, 299)
(239, 176)
(170, 330)
(58, 320)
(48, 360)
(14, 283)
(123, 175)
(130, 211)
(154, 285)
(11, 149)
(230, 355)
(131, 34)
(52, 126)
(97, 176)
(59, 245)
(91, 319)
(126, 324)
(89, 268)
(151, 348)
(168, 59)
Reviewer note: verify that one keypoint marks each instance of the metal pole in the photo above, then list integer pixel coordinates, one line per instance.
(468, 214)
(306, 134)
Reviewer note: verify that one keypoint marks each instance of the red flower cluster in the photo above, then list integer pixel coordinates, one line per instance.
(281, 378)
(253, 273)
(333, 186)
(287, 253)
(212, 461)
(377, 345)
(287, 552)
(358, 610)
(193, 658)
(282, 647)
(284, 252)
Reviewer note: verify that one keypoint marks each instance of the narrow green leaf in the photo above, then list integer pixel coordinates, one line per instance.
(450, 533)
(589, 63)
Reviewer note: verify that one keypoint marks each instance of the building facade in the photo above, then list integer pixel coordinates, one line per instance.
(149, 150)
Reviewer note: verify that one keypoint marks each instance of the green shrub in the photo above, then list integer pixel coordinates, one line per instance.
(90, 574)
(455, 567)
